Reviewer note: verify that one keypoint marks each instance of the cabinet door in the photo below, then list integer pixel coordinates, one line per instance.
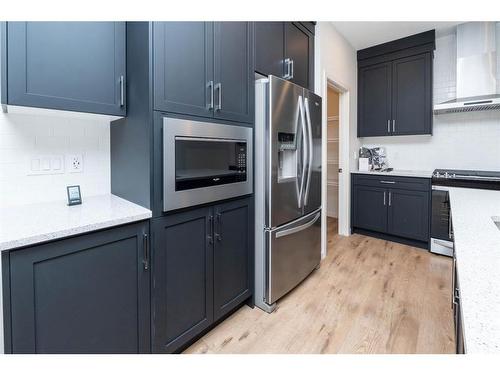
(87, 294)
(298, 47)
(74, 66)
(369, 208)
(374, 100)
(233, 74)
(269, 48)
(183, 67)
(182, 298)
(232, 255)
(412, 95)
(409, 214)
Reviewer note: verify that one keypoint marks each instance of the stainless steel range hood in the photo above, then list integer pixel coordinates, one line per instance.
(476, 69)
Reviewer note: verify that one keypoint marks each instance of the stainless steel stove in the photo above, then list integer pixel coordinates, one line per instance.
(441, 220)
(467, 178)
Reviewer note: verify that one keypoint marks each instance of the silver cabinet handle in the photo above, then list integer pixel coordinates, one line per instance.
(390, 198)
(388, 126)
(393, 126)
(291, 68)
(384, 197)
(218, 87)
(387, 182)
(218, 227)
(145, 244)
(122, 91)
(288, 73)
(211, 230)
(210, 87)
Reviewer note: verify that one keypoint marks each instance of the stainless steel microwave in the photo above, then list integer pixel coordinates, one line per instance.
(205, 162)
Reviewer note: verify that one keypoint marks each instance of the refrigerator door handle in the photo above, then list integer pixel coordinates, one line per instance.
(309, 126)
(286, 232)
(304, 151)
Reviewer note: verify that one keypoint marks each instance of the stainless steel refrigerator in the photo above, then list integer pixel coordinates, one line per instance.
(287, 188)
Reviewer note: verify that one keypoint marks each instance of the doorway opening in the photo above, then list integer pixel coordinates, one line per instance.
(332, 159)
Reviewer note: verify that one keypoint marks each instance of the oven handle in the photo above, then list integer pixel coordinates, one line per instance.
(202, 139)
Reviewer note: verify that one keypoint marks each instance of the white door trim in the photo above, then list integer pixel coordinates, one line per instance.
(343, 196)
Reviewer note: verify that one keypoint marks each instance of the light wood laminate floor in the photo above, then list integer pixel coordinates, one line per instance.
(368, 296)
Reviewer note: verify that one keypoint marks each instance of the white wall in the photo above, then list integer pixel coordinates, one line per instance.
(25, 135)
(469, 140)
(336, 59)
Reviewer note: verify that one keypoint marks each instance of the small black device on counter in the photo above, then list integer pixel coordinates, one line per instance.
(74, 195)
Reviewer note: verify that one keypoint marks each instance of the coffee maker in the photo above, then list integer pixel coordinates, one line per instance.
(377, 158)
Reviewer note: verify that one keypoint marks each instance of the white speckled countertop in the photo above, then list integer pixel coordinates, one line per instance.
(35, 223)
(398, 172)
(477, 249)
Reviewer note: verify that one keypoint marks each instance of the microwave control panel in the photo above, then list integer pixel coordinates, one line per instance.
(241, 156)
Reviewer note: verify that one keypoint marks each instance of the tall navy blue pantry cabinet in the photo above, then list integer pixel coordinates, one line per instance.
(73, 66)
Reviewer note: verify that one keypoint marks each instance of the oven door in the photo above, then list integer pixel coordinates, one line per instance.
(441, 225)
(204, 162)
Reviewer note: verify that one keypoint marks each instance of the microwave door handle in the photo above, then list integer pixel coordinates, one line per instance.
(309, 132)
(303, 150)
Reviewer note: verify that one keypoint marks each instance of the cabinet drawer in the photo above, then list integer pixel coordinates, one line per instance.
(397, 182)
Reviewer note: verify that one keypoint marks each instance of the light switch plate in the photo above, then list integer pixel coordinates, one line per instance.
(45, 164)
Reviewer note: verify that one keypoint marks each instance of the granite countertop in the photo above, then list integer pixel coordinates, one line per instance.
(477, 249)
(35, 223)
(399, 172)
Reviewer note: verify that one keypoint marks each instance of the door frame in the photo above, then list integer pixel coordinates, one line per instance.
(343, 195)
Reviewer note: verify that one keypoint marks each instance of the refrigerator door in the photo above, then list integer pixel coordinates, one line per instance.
(312, 190)
(286, 162)
(293, 252)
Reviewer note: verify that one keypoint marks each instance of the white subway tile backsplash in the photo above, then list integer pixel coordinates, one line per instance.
(23, 136)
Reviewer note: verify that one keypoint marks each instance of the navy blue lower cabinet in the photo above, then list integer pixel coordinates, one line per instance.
(85, 294)
(369, 208)
(409, 214)
(233, 255)
(182, 296)
(202, 270)
(394, 208)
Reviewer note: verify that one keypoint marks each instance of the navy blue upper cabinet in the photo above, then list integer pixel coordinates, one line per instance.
(204, 69)
(269, 48)
(85, 294)
(233, 75)
(183, 67)
(374, 100)
(299, 51)
(286, 49)
(395, 87)
(412, 95)
(74, 66)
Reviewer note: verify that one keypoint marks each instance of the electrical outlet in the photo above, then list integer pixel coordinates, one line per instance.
(75, 163)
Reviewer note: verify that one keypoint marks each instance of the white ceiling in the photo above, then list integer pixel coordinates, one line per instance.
(367, 34)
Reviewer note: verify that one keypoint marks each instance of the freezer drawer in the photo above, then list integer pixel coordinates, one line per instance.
(293, 251)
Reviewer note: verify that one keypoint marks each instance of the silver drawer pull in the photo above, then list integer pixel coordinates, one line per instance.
(387, 182)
